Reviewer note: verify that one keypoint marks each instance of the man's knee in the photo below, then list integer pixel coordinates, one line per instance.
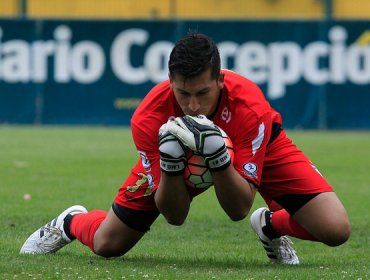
(114, 237)
(175, 220)
(337, 234)
(108, 248)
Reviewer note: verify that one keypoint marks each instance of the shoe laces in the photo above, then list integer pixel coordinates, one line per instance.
(283, 248)
(52, 238)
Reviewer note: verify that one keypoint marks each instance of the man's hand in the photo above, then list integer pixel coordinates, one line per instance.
(172, 151)
(203, 137)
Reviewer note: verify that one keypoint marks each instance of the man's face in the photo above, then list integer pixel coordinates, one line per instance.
(199, 94)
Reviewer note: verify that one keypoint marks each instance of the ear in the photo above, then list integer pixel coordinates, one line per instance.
(221, 80)
(170, 78)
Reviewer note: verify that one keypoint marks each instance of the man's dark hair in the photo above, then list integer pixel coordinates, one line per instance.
(194, 54)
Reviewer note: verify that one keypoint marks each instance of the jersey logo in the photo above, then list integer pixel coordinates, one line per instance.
(138, 183)
(250, 169)
(141, 182)
(145, 161)
(226, 115)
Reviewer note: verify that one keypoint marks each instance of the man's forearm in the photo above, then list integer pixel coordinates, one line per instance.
(234, 193)
(172, 199)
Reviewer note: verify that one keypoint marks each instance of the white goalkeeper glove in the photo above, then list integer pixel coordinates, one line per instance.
(172, 151)
(203, 137)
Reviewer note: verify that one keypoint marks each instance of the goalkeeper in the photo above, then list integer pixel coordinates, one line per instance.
(184, 110)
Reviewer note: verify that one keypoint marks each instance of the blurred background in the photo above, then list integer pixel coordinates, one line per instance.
(92, 61)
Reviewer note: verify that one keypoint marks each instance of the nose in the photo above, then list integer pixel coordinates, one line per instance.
(194, 104)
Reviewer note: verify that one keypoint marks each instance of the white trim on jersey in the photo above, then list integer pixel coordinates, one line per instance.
(257, 142)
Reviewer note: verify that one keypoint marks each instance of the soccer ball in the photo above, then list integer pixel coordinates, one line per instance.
(196, 173)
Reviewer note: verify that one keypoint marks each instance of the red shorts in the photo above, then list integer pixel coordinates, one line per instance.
(288, 171)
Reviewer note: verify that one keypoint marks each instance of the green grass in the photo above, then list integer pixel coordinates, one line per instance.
(62, 166)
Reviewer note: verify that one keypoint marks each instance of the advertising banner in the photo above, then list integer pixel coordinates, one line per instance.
(317, 74)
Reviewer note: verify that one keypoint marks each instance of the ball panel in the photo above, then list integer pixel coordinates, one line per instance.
(196, 173)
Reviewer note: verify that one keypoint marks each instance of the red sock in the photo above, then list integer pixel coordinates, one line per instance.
(284, 224)
(84, 226)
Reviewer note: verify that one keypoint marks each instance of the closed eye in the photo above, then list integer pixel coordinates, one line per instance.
(203, 92)
(184, 93)
(199, 93)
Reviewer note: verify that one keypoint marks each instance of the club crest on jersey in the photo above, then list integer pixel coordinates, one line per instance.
(226, 115)
(145, 161)
(250, 169)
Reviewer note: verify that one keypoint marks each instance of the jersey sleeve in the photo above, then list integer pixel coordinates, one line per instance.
(250, 145)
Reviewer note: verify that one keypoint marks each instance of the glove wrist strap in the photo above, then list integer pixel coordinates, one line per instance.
(218, 161)
(172, 166)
